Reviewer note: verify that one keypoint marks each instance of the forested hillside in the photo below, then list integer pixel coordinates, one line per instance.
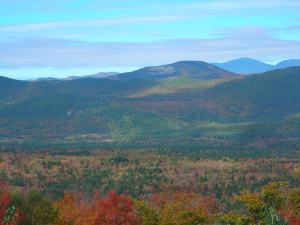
(148, 110)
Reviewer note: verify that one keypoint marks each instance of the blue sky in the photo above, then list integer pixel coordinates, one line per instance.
(60, 38)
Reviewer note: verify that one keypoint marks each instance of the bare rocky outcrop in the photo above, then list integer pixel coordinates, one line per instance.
(69, 112)
(161, 70)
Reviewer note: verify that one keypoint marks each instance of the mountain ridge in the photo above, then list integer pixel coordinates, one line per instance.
(96, 75)
(191, 69)
(241, 66)
(248, 66)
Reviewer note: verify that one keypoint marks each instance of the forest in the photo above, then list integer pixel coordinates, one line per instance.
(146, 186)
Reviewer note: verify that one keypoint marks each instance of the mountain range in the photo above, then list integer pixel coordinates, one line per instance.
(97, 75)
(142, 109)
(248, 66)
(192, 69)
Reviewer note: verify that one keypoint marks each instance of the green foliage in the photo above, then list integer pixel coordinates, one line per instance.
(119, 159)
(273, 217)
(144, 212)
(35, 208)
(11, 216)
(17, 198)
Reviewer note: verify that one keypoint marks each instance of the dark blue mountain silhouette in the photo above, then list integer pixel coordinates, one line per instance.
(248, 66)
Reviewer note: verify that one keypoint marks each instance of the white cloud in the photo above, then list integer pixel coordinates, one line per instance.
(18, 53)
(121, 20)
(237, 4)
(49, 49)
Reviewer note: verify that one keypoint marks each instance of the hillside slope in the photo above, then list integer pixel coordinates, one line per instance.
(146, 109)
(267, 94)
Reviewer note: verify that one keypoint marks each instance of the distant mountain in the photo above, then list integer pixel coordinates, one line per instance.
(288, 63)
(97, 75)
(46, 78)
(248, 66)
(190, 69)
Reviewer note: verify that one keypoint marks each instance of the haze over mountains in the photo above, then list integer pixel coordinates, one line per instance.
(97, 75)
(248, 66)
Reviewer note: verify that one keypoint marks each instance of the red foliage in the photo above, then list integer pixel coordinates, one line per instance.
(116, 209)
(5, 201)
(289, 214)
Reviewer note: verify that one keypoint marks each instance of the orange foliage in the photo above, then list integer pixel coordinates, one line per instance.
(74, 212)
(115, 209)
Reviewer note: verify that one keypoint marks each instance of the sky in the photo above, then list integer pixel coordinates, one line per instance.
(61, 38)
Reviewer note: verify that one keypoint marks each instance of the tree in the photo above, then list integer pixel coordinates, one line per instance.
(267, 206)
(176, 207)
(115, 209)
(73, 211)
(37, 210)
